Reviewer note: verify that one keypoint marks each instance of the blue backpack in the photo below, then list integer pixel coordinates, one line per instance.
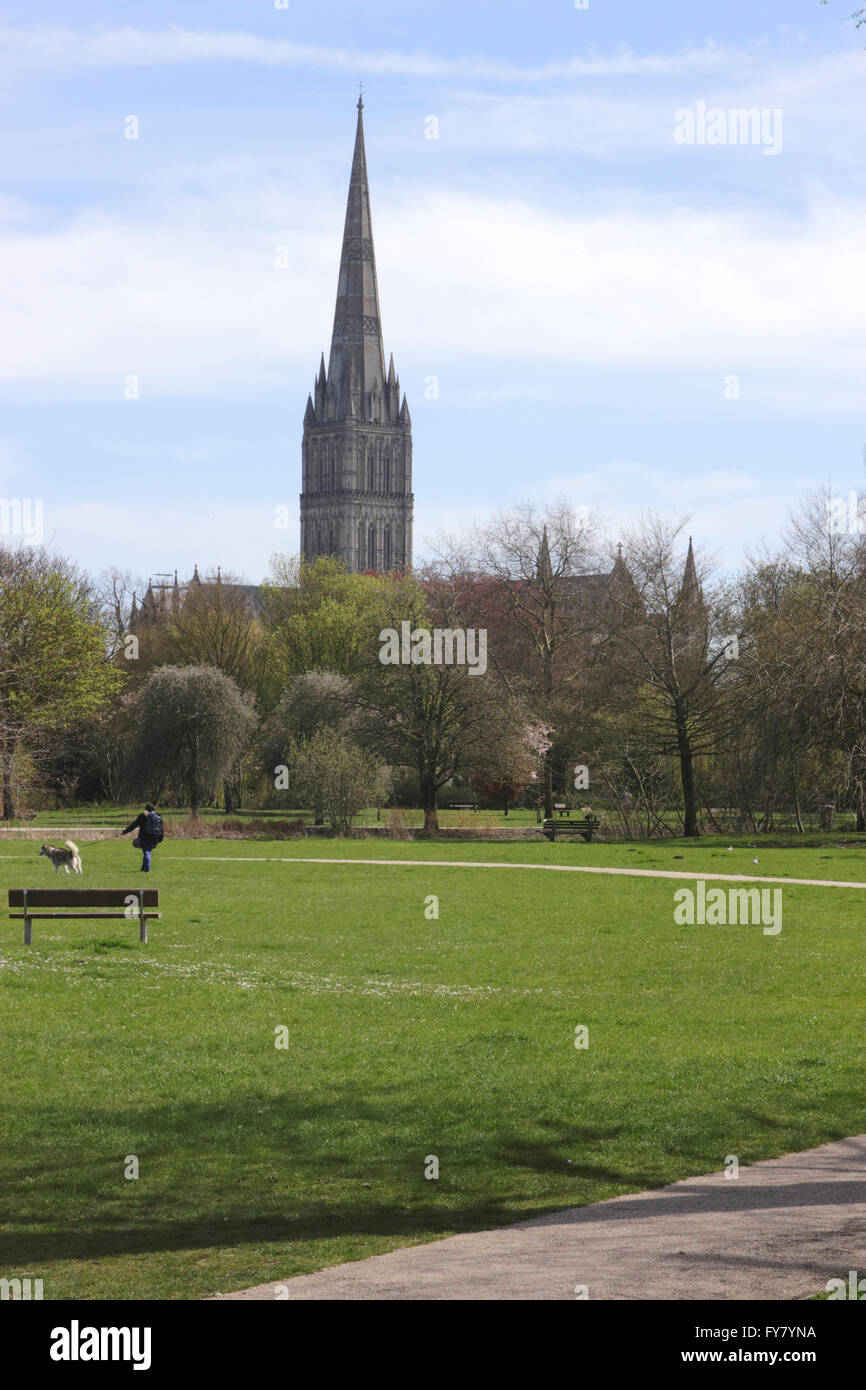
(153, 827)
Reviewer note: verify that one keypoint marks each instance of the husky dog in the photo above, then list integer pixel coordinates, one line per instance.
(62, 858)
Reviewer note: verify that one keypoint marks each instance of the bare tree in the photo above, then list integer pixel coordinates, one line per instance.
(668, 651)
(816, 679)
(535, 581)
(427, 714)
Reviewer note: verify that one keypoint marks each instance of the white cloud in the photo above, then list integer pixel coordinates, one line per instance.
(822, 105)
(53, 47)
(186, 294)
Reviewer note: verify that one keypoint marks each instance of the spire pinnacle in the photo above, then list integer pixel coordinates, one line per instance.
(690, 591)
(357, 334)
(544, 568)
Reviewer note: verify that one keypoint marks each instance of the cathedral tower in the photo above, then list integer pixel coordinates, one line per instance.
(356, 498)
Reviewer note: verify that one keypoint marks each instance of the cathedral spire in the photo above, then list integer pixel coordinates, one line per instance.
(357, 335)
(356, 480)
(543, 566)
(690, 592)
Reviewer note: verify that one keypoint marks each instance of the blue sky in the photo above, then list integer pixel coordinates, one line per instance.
(583, 287)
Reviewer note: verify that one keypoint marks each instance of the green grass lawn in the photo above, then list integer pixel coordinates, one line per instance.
(408, 1037)
(411, 818)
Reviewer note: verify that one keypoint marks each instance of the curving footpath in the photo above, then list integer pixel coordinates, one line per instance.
(780, 1230)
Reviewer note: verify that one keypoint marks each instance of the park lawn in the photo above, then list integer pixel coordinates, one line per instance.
(407, 1037)
(833, 860)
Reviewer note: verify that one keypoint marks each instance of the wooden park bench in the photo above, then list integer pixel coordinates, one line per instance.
(584, 827)
(560, 808)
(134, 903)
(461, 806)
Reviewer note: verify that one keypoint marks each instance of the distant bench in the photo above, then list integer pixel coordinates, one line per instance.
(585, 827)
(461, 806)
(133, 902)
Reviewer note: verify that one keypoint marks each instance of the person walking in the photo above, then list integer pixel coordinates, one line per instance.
(149, 827)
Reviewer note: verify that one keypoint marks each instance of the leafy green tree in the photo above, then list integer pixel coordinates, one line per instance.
(314, 700)
(329, 772)
(55, 666)
(214, 624)
(318, 617)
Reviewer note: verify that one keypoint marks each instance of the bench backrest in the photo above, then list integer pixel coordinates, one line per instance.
(82, 897)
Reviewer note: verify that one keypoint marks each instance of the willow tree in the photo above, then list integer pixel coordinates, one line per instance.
(194, 725)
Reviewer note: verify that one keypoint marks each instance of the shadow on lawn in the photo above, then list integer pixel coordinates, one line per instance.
(263, 1169)
(260, 1169)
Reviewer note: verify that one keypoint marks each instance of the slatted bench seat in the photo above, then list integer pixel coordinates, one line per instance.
(134, 904)
(461, 806)
(585, 827)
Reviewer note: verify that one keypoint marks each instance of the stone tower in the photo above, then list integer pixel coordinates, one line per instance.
(356, 498)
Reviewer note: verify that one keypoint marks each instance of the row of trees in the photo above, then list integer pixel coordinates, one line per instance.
(685, 695)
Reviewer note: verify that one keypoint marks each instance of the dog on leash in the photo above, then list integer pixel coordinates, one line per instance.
(62, 858)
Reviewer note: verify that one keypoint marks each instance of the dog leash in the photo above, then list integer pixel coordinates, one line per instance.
(104, 840)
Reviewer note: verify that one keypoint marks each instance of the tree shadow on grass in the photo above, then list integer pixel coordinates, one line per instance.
(265, 1169)
(261, 1169)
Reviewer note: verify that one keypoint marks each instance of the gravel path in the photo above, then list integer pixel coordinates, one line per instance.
(780, 1230)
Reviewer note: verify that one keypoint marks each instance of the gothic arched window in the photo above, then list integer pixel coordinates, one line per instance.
(371, 548)
(386, 474)
(386, 548)
(370, 471)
